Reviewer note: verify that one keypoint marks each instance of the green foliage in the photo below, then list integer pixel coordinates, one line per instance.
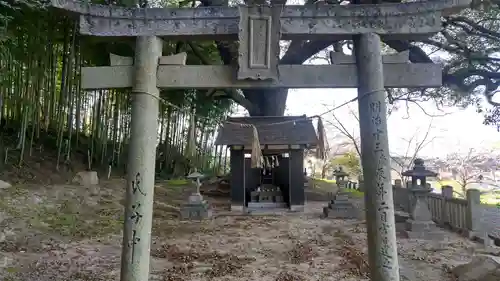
(492, 116)
(178, 182)
(349, 161)
(468, 49)
(489, 197)
(11, 9)
(354, 193)
(324, 180)
(41, 54)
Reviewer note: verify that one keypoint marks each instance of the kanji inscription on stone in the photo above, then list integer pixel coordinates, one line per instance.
(259, 36)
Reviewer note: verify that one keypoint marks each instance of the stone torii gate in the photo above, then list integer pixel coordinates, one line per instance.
(259, 29)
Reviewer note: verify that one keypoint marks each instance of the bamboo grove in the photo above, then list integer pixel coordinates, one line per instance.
(43, 106)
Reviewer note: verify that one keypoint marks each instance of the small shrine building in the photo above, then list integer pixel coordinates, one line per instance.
(280, 181)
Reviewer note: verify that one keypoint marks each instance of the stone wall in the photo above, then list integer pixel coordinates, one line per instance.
(459, 214)
(401, 199)
(490, 219)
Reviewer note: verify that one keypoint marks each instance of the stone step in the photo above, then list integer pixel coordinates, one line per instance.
(268, 211)
(341, 213)
(401, 216)
(424, 230)
(261, 205)
(481, 268)
(332, 205)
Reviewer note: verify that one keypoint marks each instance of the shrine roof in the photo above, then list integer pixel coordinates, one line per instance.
(274, 130)
(419, 170)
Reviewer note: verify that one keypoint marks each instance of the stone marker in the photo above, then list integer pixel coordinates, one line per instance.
(489, 245)
(340, 208)
(86, 178)
(481, 268)
(375, 160)
(196, 208)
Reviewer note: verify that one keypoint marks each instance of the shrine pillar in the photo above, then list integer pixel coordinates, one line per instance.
(237, 179)
(296, 182)
(141, 161)
(381, 227)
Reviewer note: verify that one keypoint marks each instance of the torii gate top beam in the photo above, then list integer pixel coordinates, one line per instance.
(393, 20)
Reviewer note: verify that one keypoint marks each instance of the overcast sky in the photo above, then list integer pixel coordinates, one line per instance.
(458, 130)
(454, 130)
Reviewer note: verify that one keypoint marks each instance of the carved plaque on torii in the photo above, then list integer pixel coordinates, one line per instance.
(259, 42)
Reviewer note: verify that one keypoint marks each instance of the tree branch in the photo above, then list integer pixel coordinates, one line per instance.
(232, 93)
(339, 126)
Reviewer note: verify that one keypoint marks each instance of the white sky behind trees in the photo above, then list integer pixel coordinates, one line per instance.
(456, 131)
(453, 129)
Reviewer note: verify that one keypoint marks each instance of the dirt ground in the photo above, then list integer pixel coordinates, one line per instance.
(66, 232)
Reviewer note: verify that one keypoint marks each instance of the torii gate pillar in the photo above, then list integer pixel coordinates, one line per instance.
(380, 222)
(141, 161)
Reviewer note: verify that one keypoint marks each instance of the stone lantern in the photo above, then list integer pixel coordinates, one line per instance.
(196, 208)
(339, 205)
(418, 181)
(419, 172)
(420, 224)
(340, 176)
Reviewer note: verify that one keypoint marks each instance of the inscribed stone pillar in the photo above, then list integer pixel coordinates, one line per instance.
(380, 219)
(473, 216)
(141, 161)
(447, 193)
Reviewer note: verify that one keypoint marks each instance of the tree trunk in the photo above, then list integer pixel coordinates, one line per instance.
(269, 102)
